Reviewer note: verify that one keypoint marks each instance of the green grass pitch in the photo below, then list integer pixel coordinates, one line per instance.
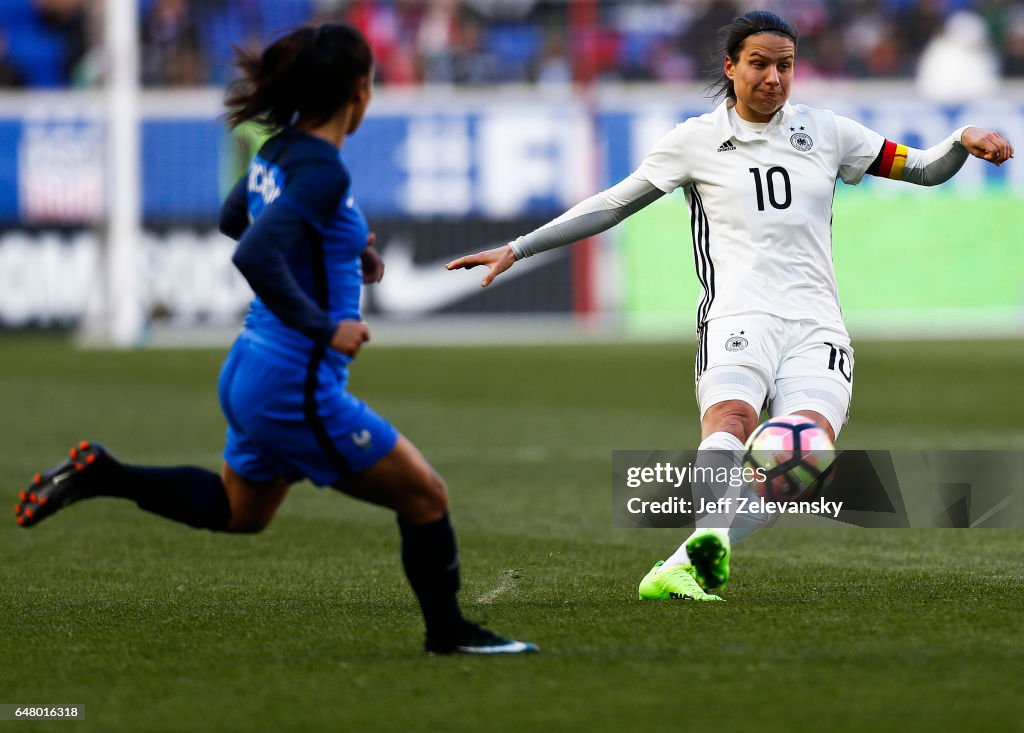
(309, 626)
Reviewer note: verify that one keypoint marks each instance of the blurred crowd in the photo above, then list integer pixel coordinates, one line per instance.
(55, 43)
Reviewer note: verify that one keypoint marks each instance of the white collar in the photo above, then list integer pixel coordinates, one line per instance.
(726, 130)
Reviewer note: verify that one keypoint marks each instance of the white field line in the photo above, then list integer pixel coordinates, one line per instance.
(507, 582)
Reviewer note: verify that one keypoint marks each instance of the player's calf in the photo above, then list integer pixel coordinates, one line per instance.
(186, 494)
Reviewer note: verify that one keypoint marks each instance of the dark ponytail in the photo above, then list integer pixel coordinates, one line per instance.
(732, 38)
(306, 75)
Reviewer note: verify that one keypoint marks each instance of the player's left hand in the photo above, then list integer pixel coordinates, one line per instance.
(349, 337)
(373, 265)
(987, 144)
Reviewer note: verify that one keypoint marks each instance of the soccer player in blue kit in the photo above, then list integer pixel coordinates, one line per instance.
(305, 248)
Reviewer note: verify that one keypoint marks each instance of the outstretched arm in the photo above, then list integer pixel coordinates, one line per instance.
(940, 162)
(587, 218)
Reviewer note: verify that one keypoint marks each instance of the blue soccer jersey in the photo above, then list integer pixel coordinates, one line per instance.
(301, 253)
(301, 237)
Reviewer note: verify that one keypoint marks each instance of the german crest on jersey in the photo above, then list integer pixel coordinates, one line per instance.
(736, 342)
(801, 140)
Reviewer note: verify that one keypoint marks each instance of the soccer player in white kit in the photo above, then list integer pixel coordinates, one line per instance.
(759, 176)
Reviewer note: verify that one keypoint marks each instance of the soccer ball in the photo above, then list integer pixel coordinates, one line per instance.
(796, 456)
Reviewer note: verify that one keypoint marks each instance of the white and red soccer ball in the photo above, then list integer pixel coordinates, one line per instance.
(794, 454)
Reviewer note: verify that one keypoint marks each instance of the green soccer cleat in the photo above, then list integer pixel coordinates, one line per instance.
(676, 582)
(709, 552)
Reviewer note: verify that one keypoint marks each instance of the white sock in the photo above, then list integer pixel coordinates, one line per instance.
(745, 524)
(715, 441)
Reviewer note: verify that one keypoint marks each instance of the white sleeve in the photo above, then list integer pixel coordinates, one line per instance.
(858, 147)
(665, 166)
(938, 163)
(589, 217)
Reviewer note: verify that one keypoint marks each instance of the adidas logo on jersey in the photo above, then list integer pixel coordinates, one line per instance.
(726, 147)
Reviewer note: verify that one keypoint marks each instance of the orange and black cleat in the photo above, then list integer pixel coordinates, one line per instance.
(72, 479)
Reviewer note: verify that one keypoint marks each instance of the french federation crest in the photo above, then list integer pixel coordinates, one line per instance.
(801, 141)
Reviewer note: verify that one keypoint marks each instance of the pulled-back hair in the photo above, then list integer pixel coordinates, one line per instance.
(306, 75)
(732, 38)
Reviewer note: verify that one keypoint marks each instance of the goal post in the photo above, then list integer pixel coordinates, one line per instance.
(121, 318)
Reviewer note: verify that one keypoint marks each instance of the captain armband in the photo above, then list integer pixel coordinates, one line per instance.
(891, 161)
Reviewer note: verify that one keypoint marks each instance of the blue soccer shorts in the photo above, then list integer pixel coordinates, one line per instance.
(290, 415)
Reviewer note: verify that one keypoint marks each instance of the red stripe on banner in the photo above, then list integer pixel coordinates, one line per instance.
(583, 296)
(888, 155)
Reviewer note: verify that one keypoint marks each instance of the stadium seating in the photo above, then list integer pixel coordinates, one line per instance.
(37, 51)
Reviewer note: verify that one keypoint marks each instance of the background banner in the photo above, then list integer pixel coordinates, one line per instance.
(450, 173)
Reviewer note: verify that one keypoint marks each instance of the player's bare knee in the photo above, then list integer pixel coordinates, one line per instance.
(252, 505)
(822, 421)
(247, 524)
(434, 493)
(733, 416)
(426, 498)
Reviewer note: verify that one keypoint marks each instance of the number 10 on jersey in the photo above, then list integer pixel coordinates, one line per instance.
(776, 178)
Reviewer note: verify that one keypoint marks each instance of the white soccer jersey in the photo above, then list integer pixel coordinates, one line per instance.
(761, 206)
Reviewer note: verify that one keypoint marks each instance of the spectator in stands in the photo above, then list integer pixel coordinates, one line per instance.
(919, 22)
(1013, 43)
(446, 41)
(472, 63)
(552, 66)
(383, 23)
(10, 74)
(869, 39)
(668, 63)
(69, 20)
(435, 40)
(702, 34)
(959, 63)
(170, 46)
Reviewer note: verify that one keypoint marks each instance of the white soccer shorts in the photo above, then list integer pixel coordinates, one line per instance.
(767, 361)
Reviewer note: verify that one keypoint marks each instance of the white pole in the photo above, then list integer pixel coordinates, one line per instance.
(124, 206)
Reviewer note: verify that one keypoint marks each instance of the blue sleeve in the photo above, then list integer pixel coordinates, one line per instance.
(234, 213)
(310, 199)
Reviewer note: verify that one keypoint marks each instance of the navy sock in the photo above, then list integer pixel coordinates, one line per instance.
(193, 496)
(431, 562)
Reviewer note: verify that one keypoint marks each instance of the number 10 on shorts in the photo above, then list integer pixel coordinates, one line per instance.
(840, 360)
